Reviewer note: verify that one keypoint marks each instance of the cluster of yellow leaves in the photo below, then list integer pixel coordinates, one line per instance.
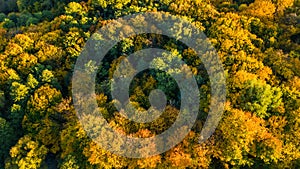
(281, 5)
(48, 52)
(178, 158)
(264, 9)
(102, 158)
(24, 62)
(24, 41)
(26, 154)
(198, 9)
(37, 120)
(230, 34)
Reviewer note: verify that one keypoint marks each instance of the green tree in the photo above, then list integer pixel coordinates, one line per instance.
(2, 99)
(7, 139)
(259, 98)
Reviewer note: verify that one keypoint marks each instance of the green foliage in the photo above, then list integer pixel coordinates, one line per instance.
(36, 5)
(2, 99)
(7, 23)
(7, 139)
(258, 97)
(2, 17)
(7, 6)
(16, 114)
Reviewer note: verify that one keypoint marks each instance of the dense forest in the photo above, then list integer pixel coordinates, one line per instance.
(257, 41)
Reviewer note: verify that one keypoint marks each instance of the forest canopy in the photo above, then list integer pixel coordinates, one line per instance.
(257, 41)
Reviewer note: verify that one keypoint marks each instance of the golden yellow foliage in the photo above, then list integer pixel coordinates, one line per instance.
(281, 5)
(178, 158)
(264, 9)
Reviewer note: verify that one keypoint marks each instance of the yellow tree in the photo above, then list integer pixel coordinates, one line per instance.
(281, 5)
(40, 117)
(230, 34)
(26, 154)
(264, 9)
